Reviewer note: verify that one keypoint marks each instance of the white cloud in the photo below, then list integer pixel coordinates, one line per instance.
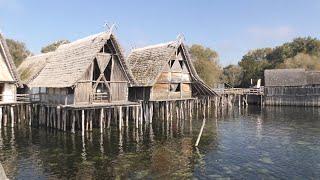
(271, 33)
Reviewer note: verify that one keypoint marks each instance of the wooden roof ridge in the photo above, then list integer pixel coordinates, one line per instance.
(154, 46)
(194, 73)
(9, 60)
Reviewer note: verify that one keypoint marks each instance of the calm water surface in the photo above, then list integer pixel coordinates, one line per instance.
(253, 143)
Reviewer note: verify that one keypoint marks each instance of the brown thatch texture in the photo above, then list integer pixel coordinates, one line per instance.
(69, 62)
(32, 66)
(313, 77)
(147, 64)
(285, 77)
(5, 53)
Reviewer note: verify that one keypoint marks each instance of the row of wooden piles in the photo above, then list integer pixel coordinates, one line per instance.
(86, 119)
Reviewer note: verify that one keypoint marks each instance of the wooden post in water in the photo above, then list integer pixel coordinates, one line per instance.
(91, 119)
(141, 114)
(30, 115)
(12, 116)
(137, 116)
(65, 119)
(120, 118)
(73, 121)
(109, 117)
(202, 127)
(127, 115)
(59, 117)
(0, 117)
(101, 120)
(82, 122)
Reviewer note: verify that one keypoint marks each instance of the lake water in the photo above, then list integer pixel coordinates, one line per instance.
(252, 143)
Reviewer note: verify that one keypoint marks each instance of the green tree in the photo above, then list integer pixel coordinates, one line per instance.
(253, 65)
(300, 53)
(233, 75)
(305, 61)
(53, 46)
(206, 64)
(18, 51)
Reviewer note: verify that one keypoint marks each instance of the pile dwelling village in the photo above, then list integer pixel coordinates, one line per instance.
(90, 83)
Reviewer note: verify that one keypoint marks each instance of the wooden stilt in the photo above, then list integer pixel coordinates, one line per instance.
(101, 120)
(137, 116)
(91, 119)
(0, 117)
(127, 116)
(12, 116)
(73, 122)
(65, 120)
(120, 118)
(82, 122)
(109, 117)
(59, 117)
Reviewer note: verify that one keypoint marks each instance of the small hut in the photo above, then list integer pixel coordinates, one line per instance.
(86, 71)
(165, 72)
(296, 87)
(9, 79)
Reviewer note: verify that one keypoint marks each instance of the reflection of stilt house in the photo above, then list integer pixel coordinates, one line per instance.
(165, 72)
(89, 70)
(9, 80)
(295, 87)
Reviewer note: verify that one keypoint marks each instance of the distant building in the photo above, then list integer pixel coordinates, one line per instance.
(9, 79)
(296, 87)
(165, 72)
(86, 71)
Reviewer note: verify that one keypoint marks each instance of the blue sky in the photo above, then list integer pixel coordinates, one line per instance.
(229, 27)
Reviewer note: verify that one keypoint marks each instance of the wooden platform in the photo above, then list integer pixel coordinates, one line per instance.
(12, 103)
(101, 105)
(166, 100)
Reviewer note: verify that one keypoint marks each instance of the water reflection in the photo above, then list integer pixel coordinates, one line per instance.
(253, 143)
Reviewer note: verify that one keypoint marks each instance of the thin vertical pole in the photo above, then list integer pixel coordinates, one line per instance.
(120, 118)
(82, 123)
(0, 117)
(109, 117)
(101, 120)
(73, 122)
(127, 116)
(12, 116)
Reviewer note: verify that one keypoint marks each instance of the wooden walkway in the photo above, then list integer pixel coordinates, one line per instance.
(243, 91)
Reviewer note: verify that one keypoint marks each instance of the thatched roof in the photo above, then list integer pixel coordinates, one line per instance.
(285, 77)
(313, 77)
(66, 65)
(8, 72)
(32, 66)
(147, 63)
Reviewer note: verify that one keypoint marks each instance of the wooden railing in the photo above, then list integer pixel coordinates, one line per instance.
(244, 91)
(15, 98)
(99, 97)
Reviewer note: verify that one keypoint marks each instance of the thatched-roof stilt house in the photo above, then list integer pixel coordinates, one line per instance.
(9, 79)
(86, 71)
(165, 72)
(295, 87)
